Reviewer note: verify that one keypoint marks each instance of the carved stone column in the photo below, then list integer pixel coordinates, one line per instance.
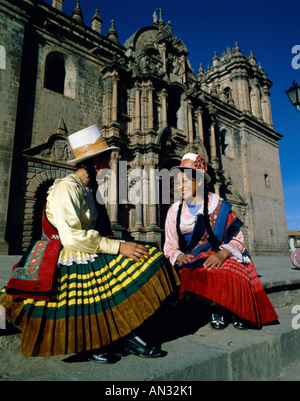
(266, 106)
(153, 193)
(241, 95)
(107, 96)
(246, 182)
(114, 194)
(137, 107)
(153, 230)
(235, 90)
(241, 90)
(138, 218)
(137, 198)
(144, 109)
(215, 162)
(150, 106)
(163, 49)
(164, 117)
(190, 122)
(183, 69)
(115, 80)
(200, 123)
(255, 101)
(213, 143)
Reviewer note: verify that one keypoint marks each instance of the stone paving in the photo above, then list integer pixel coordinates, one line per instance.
(194, 352)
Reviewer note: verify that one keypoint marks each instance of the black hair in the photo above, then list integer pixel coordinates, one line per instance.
(88, 165)
(103, 223)
(211, 237)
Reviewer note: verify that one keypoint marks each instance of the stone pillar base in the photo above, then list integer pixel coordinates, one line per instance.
(118, 230)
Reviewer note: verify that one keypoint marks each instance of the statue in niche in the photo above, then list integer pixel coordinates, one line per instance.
(174, 69)
(145, 63)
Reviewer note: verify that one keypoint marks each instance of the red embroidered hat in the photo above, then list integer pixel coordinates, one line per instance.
(195, 162)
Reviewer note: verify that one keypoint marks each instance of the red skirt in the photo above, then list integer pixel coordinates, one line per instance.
(235, 286)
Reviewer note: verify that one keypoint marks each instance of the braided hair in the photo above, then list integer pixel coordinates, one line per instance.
(181, 241)
(211, 237)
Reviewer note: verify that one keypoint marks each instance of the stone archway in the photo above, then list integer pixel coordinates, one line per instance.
(45, 163)
(35, 199)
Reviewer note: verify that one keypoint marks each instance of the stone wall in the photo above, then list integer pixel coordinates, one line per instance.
(12, 35)
(80, 107)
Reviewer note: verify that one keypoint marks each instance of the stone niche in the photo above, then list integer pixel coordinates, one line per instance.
(45, 163)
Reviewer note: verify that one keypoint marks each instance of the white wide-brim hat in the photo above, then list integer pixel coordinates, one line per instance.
(194, 162)
(87, 143)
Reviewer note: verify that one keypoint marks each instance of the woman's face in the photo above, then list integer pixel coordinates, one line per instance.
(188, 188)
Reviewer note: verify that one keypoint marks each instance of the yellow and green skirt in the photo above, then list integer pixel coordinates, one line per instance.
(93, 305)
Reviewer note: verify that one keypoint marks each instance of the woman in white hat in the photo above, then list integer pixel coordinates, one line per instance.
(103, 288)
(204, 242)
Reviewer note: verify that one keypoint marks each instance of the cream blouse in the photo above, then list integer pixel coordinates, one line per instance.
(70, 208)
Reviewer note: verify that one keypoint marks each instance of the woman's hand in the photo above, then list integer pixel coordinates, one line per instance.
(216, 260)
(182, 258)
(134, 251)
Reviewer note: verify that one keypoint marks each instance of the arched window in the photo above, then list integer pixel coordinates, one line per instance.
(60, 74)
(267, 181)
(55, 72)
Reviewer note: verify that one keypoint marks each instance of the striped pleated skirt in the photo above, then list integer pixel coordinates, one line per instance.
(93, 304)
(235, 286)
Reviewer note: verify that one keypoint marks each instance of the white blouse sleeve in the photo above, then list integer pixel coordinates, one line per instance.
(171, 247)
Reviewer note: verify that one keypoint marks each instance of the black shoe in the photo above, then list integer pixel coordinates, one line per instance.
(239, 323)
(136, 346)
(105, 357)
(217, 320)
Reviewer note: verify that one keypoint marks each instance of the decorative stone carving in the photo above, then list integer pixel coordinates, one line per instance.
(60, 150)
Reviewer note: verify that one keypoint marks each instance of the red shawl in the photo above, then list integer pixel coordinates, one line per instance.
(32, 277)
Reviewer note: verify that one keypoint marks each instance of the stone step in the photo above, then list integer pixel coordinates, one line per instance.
(194, 351)
(272, 353)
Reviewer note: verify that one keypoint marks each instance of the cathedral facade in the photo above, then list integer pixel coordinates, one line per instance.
(58, 76)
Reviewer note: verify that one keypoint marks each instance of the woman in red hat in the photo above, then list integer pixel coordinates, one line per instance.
(77, 290)
(204, 242)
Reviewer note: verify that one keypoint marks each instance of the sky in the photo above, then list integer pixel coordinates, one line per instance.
(268, 28)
